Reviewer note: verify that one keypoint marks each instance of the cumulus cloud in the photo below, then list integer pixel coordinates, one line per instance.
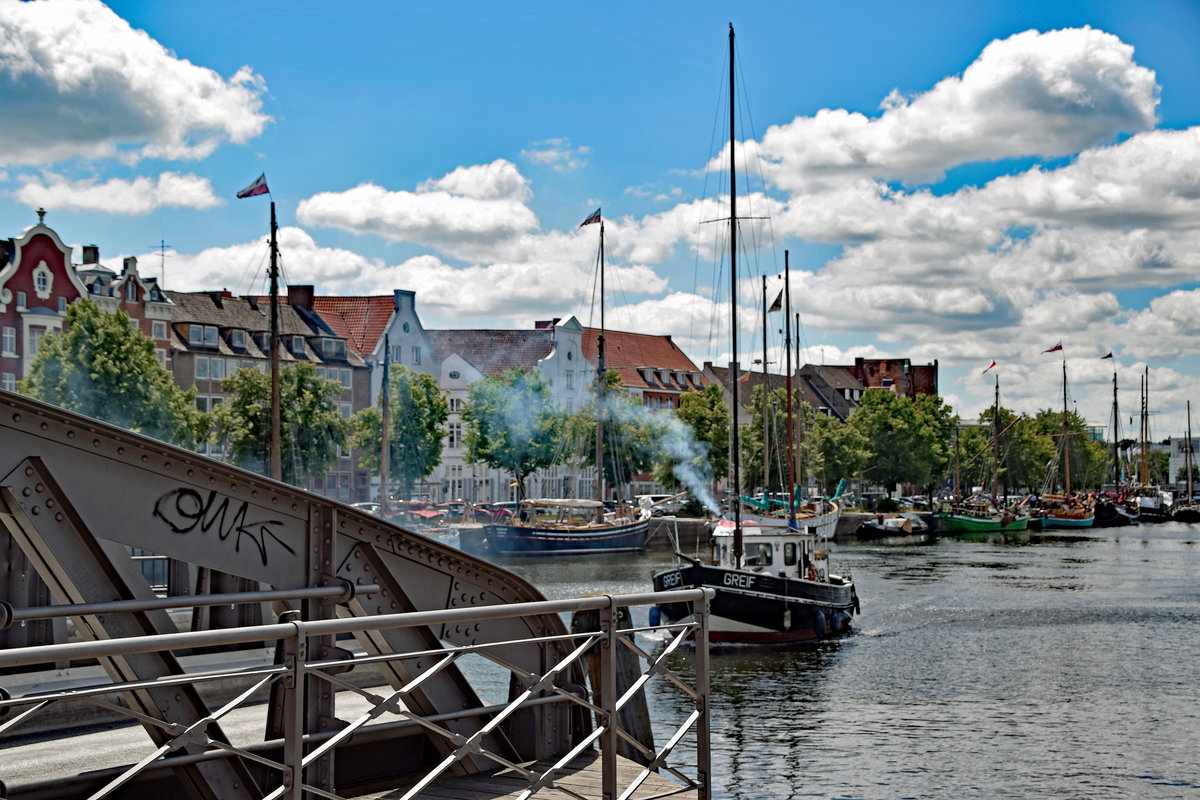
(1032, 94)
(468, 214)
(118, 196)
(558, 154)
(94, 87)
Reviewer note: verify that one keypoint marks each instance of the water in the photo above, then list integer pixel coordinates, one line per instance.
(1047, 667)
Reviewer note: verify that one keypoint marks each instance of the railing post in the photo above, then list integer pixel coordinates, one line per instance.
(608, 680)
(703, 726)
(295, 656)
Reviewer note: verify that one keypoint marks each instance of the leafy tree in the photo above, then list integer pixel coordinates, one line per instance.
(773, 407)
(834, 451)
(706, 417)
(907, 438)
(631, 437)
(417, 410)
(511, 424)
(311, 426)
(101, 367)
(1090, 461)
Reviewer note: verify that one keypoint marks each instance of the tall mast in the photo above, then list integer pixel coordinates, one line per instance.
(1189, 452)
(738, 550)
(766, 423)
(797, 463)
(1116, 438)
(276, 467)
(385, 455)
(787, 325)
(600, 373)
(1066, 435)
(1145, 432)
(996, 436)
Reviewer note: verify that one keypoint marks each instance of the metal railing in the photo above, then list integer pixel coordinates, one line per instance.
(179, 745)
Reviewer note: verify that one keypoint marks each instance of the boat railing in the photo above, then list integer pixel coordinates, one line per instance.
(301, 763)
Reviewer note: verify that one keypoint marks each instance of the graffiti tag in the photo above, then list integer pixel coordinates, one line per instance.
(185, 510)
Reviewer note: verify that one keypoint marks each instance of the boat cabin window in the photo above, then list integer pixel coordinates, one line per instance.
(759, 555)
(789, 554)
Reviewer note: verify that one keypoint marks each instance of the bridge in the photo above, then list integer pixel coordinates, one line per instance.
(478, 677)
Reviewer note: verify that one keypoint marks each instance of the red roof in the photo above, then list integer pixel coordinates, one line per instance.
(361, 320)
(630, 353)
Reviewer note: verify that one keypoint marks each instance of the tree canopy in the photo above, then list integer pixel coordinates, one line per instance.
(907, 439)
(511, 424)
(312, 427)
(417, 412)
(100, 366)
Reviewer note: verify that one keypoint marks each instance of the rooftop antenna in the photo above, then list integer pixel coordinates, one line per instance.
(162, 260)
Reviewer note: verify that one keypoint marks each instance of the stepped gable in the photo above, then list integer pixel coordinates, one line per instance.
(644, 361)
(493, 352)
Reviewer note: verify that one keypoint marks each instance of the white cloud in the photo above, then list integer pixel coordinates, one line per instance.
(94, 87)
(118, 196)
(1040, 94)
(558, 154)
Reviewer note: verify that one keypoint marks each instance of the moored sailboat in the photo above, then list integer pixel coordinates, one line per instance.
(772, 585)
(1188, 510)
(1064, 510)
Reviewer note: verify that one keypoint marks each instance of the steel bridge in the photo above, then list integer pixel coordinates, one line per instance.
(479, 679)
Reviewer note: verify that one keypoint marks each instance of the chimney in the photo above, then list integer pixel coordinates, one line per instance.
(301, 296)
(91, 254)
(217, 298)
(130, 265)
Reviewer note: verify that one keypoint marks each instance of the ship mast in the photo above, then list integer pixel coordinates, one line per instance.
(1066, 435)
(766, 419)
(738, 550)
(996, 436)
(600, 375)
(787, 324)
(276, 466)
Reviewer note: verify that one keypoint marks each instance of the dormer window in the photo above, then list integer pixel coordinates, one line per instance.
(237, 340)
(202, 335)
(333, 348)
(298, 345)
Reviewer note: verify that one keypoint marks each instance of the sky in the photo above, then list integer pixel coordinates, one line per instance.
(957, 182)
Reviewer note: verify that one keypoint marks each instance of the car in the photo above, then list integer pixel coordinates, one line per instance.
(492, 512)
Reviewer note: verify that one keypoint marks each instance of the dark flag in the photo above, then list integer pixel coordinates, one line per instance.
(595, 217)
(1107, 356)
(1055, 348)
(778, 304)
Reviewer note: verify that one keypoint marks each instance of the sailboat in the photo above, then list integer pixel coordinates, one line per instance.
(1147, 500)
(574, 526)
(1064, 510)
(1111, 511)
(1188, 510)
(773, 585)
(979, 513)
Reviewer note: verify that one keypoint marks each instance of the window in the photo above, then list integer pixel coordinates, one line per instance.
(161, 355)
(333, 348)
(237, 339)
(397, 354)
(210, 335)
(298, 345)
(20, 300)
(570, 379)
(202, 369)
(454, 437)
(455, 405)
(10, 342)
(758, 555)
(789, 554)
(217, 369)
(41, 282)
(202, 403)
(135, 325)
(416, 351)
(455, 375)
(35, 340)
(345, 409)
(8, 382)
(158, 329)
(344, 376)
(246, 365)
(320, 372)
(62, 305)
(131, 291)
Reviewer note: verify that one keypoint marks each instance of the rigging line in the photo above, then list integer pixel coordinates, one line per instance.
(747, 113)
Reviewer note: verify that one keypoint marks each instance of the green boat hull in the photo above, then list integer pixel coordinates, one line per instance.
(968, 523)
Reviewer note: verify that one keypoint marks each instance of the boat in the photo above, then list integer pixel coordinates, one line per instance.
(1111, 511)
(573, 526)
(772, 584)
(980, 513)
(898, 524)
(1147, 500)
(1189, 509)
(1064, 510)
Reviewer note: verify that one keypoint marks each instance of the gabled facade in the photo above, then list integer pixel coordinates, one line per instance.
(37, 283)
(147, 305)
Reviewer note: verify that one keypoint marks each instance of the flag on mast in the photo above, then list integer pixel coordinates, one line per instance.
(777, 305)
(595, 217)
(1054, 349)
(258, 187)
(1110, 355)
(989, 366)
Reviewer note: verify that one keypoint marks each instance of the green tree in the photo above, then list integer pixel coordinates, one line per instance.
(101, 367)
(773, 407)
(311, 426)
(418, 410)
(706, 418)
(511, 424)
(631, 437)
(834, 450)
(908, 438)
(1089, 460)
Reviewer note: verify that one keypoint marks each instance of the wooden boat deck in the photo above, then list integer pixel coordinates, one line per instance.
(582, 777)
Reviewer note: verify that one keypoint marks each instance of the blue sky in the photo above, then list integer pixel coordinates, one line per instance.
(960, 182)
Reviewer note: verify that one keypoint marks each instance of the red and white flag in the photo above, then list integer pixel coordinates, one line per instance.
(1056, 348)
(989, 366)
(258, 187)
(594, 217)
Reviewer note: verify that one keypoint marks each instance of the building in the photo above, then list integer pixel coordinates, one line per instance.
(37, 283)
(652, 367)
(213, 334)
(896, 374)
(147, 305)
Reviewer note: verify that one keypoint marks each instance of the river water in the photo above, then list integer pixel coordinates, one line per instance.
(1064, 667)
